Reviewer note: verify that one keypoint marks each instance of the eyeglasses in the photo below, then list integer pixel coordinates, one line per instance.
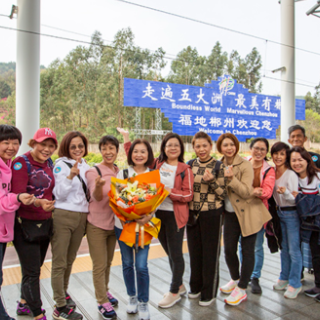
(172, 146)
(259, 149)
(80, 146)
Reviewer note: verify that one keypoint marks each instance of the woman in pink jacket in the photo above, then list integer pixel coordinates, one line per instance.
(10, 140)
(174, 211)
(263, 183)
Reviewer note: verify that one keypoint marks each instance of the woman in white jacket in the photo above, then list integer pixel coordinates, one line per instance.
(70, 216)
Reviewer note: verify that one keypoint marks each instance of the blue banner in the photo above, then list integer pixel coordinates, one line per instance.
(221, 106)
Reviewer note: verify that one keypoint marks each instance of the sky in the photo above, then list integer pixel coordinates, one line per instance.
(154, 29)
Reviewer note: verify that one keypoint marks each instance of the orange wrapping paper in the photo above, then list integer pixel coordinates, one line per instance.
(134, 212)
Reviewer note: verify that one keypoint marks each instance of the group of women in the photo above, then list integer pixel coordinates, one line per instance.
(42, 202)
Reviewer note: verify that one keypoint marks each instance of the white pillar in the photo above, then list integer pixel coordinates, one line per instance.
(28, 71)
(287, 61)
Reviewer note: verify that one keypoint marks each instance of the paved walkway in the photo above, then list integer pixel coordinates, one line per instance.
(271, 305)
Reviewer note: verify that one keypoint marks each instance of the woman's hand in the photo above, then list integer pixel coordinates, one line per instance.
(257, 192)
(144, 219)
(74, 171)
(281, 190)
(26, 198)
(208, 176)
(228, 173)
(294, 193)
(100, 182)
(125, 134)
(168, 189)
(45, 204)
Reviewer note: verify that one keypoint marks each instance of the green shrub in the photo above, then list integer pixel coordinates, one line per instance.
(54, 157)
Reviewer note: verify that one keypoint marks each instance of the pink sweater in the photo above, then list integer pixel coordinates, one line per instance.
(100, 213)
(8, 203)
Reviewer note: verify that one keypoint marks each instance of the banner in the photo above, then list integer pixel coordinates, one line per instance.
(221, 106)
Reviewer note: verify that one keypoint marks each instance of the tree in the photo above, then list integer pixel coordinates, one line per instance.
(216, 63)
(312, 125)
(5, 89)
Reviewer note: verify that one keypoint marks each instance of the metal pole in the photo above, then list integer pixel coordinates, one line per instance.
(288, 62)
(28, 71)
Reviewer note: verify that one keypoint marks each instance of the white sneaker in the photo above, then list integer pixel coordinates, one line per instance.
(195, 295)
(228, 288)
(132, 306)
(292, 292)
(206, 303)
(280, 285)
(169, 299)
(143, 309)
(182, 290)
(236, 297)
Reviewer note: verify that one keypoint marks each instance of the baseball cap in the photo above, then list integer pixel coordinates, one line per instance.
(44, 134)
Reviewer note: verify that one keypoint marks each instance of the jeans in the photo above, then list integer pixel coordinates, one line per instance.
(205, 237)
(258, 254)
(3, 312)
(315, 252)
(141, 264)
(171, 239)
(231, 234)
(291, 258)
(31, 256)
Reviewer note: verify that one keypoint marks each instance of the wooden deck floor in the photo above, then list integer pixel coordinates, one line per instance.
(271, 305)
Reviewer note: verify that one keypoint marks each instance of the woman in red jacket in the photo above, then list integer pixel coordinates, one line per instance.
(174, 211)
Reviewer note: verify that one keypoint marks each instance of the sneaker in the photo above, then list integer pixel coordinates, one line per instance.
(169, 299)
(70, 303)
(317, 298)
(182, 290)
(312, 293)
(227, 288)
(280, 285)
(193, 295)
(291, 292)
(143, 309)
(236, 297)
(66, 314)
(255, 286)
(206, 303)
(132, 306)
(114, 302)
(24, 310)
(106, 311)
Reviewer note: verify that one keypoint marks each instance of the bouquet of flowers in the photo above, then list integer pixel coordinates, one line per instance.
(133, 198)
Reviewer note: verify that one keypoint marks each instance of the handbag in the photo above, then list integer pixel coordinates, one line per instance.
(36, 230)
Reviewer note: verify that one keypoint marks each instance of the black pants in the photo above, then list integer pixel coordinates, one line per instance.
(204, 250)
(31, 256)
(171, 239)
(315, 252)
(231, 234)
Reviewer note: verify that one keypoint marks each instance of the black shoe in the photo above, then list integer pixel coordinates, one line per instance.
(311, 293)
(317, 298)
(70, 303)
(255, 286)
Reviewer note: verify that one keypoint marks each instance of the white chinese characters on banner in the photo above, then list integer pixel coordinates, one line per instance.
(254, 104)
(240, 101)
(200, 120)
(229, 122)
(148, 92)
(266, 103)
(242, 124)
(185, 120)
(200, 96)
(215, 122)
(167, 94)
(185, 95)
